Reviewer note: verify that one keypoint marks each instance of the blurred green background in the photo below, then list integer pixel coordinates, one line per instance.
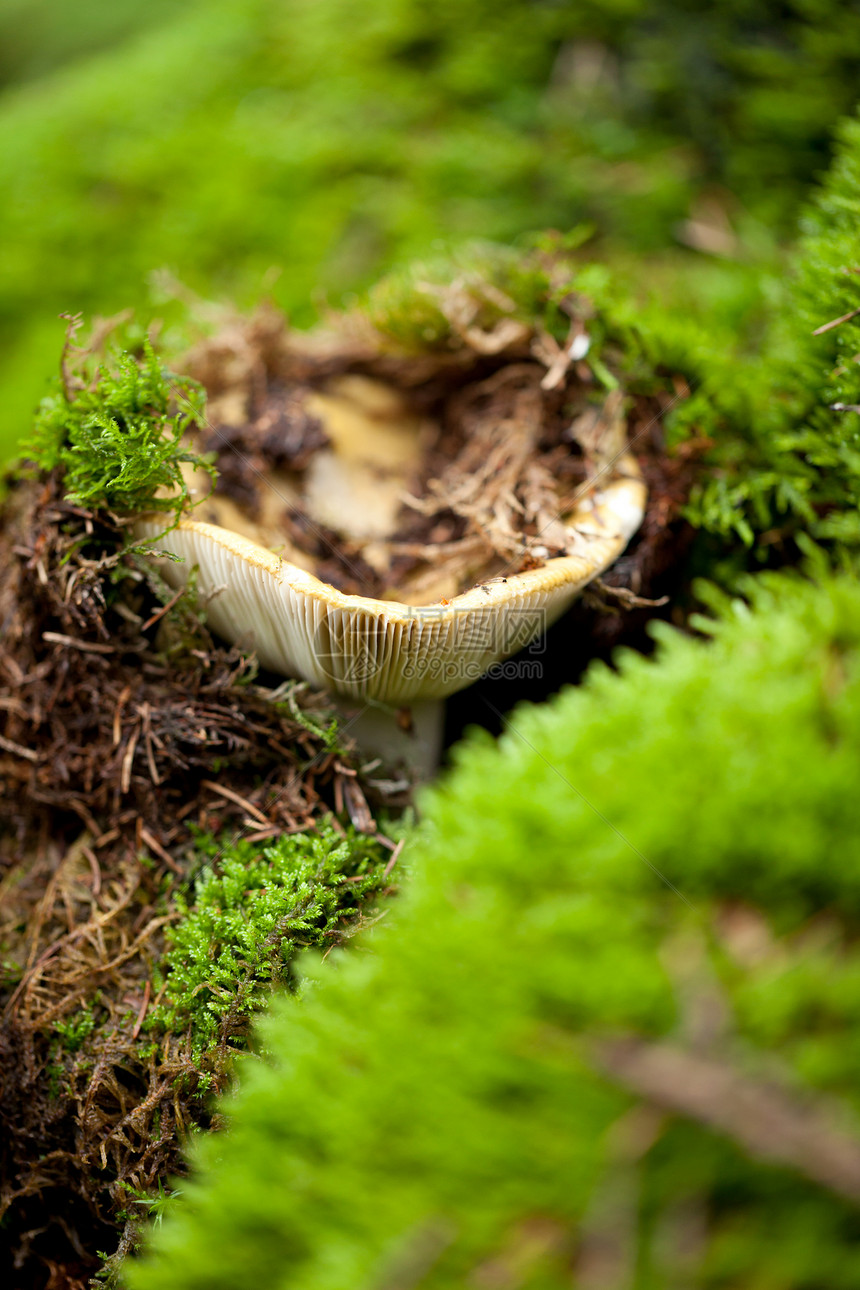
(298, 148)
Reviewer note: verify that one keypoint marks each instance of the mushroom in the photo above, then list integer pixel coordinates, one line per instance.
(385, 655)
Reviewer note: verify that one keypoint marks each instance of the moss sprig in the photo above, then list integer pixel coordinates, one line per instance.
(117, 431)
(251, 912)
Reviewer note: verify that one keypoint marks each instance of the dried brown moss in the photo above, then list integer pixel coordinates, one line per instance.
(517, 428)
(123, 727)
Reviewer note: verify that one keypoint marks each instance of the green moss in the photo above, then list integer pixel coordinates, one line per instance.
(826, 370)
(250, 913)
(234, 137)
(789, 460)
(776, 404)
(671, 852)
(71, 1034)
(738, 414)
(116, 430)
(496, 282)
(37, 36)
(724, 373)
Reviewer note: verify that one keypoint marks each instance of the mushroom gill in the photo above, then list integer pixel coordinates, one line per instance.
(391, 546)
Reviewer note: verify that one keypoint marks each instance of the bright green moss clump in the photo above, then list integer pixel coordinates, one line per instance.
(252, 910)
(671, 854)
(826, 374)
(116, 431)
(781, 410)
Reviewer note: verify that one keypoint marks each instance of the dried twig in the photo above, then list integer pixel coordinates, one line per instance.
(765, 1119)
(836, 322)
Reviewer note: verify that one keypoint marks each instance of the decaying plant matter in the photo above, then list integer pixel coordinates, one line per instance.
(521, 407)
(134, 748)
(126, 734)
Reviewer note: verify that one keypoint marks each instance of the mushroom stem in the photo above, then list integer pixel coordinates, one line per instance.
(410, 737)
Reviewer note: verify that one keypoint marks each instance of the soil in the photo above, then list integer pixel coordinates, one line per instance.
(124, 725)
(123, 728)
(499, 470)
(478, 403)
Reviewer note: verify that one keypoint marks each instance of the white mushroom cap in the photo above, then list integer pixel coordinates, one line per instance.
(383, 650)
